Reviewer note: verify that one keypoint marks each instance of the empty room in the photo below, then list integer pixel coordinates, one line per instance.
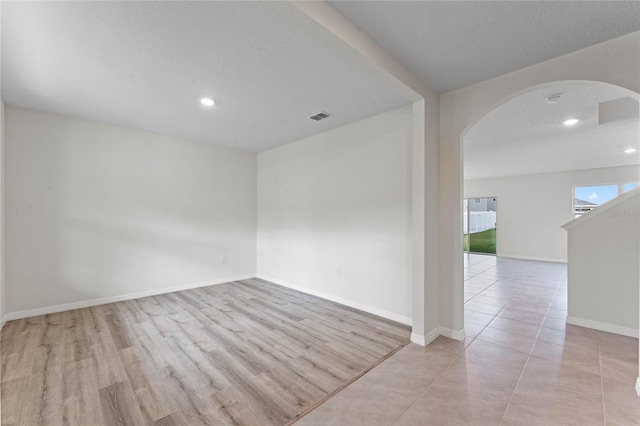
(320, 213)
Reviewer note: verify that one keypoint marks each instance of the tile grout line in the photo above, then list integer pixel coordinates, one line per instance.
(484, 326)
(452, 362)
(425, 391)
(530, 354)
(476, 338)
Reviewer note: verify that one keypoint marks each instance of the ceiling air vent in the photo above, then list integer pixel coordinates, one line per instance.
(320, 116)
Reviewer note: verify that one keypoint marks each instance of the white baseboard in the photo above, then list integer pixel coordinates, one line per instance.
(431, 336)
(3, 320)
(425, 340)
(537, 259)
(638, 386)
(440, 331)
(118, 298)
(603, 326)
(452, 334)
(418, 339)
(351, 303)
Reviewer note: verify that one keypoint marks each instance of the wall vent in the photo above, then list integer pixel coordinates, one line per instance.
(320, 116)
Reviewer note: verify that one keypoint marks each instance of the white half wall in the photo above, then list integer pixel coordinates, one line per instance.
(334, 214)
(532, 208)
(604, 262)
(98, 212)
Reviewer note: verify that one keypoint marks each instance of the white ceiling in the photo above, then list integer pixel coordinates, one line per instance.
(145, 65)
(525, 135)
(451, 44)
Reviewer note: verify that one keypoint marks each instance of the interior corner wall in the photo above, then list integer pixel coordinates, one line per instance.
(98, 213)
(532, 208)
(334, 215)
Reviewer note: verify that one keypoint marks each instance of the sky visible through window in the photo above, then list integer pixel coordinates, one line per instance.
(629, 187)
(597, 194)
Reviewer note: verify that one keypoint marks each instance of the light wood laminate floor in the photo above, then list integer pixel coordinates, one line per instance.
(247, 352)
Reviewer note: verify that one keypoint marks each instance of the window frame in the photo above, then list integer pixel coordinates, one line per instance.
(620, 190)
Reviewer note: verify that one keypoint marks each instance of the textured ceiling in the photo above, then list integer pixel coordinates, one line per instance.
(451, 44)
(526, 136)
(145, 65)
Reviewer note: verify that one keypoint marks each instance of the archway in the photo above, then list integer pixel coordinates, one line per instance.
(521, 152)
(616, 62)
(512, 150)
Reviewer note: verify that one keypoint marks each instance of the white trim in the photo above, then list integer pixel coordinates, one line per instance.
(425, 340)
(452, 334)
(638, 386)
(433, 334)
(537, 259)
(418, 339)
(119, 298)
(3, 321)
(351, 303)
(603, 326)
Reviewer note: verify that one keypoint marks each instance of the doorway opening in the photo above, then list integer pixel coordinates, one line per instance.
(480, 225)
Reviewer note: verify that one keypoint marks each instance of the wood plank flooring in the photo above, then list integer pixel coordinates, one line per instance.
(243, 353)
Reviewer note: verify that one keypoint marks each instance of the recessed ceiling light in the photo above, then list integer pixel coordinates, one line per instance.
(554, 99)
(208, 102)
(630, 150)
(571, 121)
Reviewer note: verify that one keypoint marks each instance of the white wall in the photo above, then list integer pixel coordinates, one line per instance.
(96, 211)
(532, 208)
(320, 19)
(341, 200)
(604, 262)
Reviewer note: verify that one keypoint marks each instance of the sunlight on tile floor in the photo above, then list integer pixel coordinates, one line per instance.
(520, 364)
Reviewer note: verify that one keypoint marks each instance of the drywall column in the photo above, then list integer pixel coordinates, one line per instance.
(2, 292)
(425, 223)
(2, 299)
(418, 331)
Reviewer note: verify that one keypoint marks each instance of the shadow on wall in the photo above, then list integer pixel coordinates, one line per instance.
(88, 259)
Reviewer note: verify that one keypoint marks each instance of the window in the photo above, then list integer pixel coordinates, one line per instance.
(476, 201)
(587, 198)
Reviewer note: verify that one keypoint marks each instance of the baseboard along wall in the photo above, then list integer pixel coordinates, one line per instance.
(603, 326)
(351, 303)
(118, 298)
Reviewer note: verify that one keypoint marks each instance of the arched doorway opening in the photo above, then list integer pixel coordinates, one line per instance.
(460, 111)
(549, 153)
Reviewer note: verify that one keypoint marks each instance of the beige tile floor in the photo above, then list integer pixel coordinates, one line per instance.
(519, 365)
